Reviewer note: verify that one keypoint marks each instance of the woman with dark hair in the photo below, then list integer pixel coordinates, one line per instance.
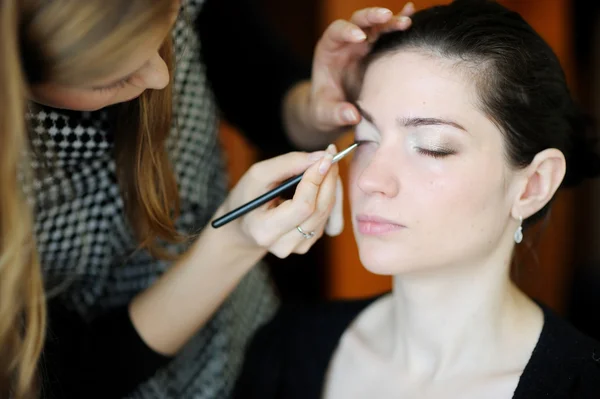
(468, 131)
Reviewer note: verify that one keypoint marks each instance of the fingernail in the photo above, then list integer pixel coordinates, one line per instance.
(403, 19)
(325, 164)
(359, 34)
(315, 156)
(409, 6)
(331, 149)
(383, 11)
(349, 116)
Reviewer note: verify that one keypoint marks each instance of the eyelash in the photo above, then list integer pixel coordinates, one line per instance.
(118, 85)
(435, 154)
(422, 151)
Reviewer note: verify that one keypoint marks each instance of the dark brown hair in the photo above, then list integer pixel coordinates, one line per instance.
(521, 84)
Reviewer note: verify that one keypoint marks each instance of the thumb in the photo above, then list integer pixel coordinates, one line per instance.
(335, 113)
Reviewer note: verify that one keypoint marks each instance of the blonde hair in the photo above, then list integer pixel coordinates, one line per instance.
(71, 42)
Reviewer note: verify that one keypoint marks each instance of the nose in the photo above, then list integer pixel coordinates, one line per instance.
(155, 74)
(378, 176)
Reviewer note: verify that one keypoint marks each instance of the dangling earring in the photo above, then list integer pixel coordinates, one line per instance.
(519, 232)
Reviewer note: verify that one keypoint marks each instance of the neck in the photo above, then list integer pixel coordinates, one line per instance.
(460, 320)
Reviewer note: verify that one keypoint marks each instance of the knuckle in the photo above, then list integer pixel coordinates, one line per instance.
(321, 113)
(305, 209)
(302, 250)
(319, 233)
(299, 155)
(326, 207)
(325, 213)
(262, 238)
(322, 212)
(338, 25)
(255, 170)
(280, 252)
(372, 12)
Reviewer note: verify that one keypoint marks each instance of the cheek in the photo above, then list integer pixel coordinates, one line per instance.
(470, 206)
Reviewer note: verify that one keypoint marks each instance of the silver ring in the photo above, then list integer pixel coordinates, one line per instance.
(305, 235)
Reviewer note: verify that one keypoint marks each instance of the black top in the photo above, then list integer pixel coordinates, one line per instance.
(249, 72)
(288, 357)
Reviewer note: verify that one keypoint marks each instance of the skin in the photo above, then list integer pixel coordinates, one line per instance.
(454, 326)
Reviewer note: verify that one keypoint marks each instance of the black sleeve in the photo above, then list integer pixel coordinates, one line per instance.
(249, 70)
(263, 367)
(103, 359)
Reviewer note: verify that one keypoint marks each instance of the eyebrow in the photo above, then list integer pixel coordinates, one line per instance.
(412, 121)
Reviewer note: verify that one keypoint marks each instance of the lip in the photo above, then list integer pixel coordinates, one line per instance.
(373, 225)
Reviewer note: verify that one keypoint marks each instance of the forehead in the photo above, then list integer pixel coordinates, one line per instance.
(411, 82)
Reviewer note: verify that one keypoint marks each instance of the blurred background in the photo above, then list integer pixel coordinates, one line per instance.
(559, 264)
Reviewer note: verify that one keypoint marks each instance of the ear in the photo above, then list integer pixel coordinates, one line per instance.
(542, 178)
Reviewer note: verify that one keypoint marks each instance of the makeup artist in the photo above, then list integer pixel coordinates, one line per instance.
(136, 307)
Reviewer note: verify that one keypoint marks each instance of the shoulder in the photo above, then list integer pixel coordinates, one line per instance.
(578, 353)
(561, 337)
(297, 326)
(323, 323)
(295, 348)
(565, 362)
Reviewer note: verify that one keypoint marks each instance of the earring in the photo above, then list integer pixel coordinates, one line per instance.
(519, 232)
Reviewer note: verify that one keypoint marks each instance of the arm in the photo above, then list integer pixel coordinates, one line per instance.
(173, 309)
(118, 351)
(112, 355)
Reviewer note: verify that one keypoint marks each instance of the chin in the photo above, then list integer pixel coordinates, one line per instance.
(380, 261)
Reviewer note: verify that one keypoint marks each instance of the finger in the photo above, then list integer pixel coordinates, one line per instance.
(369, 17)
(289, 244)
(294, 240)
(318, 179)
(335, 223)
(293, 212)
(315, 224)
(306, 245)
(408, 9)
(339, 34)
(399, 22)
(325, 199)
(336, 113)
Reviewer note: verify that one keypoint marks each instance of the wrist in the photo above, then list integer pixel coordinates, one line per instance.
(230, 243)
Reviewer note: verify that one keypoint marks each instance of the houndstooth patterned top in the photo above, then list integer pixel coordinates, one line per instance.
(86, 245)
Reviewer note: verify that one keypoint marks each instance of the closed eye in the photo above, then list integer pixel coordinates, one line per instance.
(437, 153)
(118, 85)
